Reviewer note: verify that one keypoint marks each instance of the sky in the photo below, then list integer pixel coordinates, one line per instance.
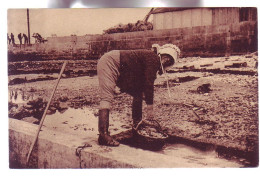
(65, 22)
(100, 15)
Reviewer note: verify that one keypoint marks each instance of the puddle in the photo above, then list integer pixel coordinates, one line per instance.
(19, 96)
(73, 121)
(67, 119)
(200, 155)
(200, 158)
(80, 121)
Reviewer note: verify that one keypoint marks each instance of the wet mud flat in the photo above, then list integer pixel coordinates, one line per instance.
(216, 109)
(22, 72)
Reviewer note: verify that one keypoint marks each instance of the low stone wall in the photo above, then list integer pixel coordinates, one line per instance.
(206, 41)
(58, 150)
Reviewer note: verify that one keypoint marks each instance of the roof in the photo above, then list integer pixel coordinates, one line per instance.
(171, 9)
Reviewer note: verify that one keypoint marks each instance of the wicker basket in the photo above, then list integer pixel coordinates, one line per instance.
(153, 141)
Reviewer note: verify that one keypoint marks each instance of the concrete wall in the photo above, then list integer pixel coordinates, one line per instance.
(58, 150)
(214, 40)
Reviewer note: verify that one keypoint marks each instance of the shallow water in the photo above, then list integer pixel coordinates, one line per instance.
(200, 158)
(19, 96)
(73, 121)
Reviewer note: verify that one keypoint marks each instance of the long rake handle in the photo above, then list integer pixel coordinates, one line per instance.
(44, 114)
(166, 77)
(169, 91)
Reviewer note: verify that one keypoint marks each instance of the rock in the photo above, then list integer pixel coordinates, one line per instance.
(51, 110)
(205, 88)
(29, 107)
(63, 98)
(96, 112)
(37, 103)
(62, 110)
(19, 112)
(12, 112)
(30, 120)
(11, 105)
(62, 107)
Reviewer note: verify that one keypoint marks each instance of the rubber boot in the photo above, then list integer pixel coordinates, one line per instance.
(103, 124)
(137, 110)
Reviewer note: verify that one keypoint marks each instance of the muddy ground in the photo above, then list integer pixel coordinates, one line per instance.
(213, 100)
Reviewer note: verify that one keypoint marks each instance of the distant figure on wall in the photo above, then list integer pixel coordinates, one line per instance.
(20, 38)
(12, 38)
(25, 39)
(38, 38)
(8, 39)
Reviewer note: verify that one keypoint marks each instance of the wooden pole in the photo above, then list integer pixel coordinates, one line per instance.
(44, 114)
(28, 25)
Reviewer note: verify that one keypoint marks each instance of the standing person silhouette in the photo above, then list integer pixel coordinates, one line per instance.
(12, 38)
(25, 39)
(20, 39)
(8, 39)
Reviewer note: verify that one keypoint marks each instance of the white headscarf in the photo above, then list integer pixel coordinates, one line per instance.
(169, 49)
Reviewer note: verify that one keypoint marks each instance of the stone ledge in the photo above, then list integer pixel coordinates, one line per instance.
(58, 150)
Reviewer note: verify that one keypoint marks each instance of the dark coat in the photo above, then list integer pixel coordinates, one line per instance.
(138, 70)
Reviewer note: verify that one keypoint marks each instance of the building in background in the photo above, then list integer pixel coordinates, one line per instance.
(170, 18)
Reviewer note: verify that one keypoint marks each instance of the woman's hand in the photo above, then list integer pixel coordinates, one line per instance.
(117, 91)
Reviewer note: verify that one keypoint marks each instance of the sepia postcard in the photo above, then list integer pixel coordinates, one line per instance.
(163, 87)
